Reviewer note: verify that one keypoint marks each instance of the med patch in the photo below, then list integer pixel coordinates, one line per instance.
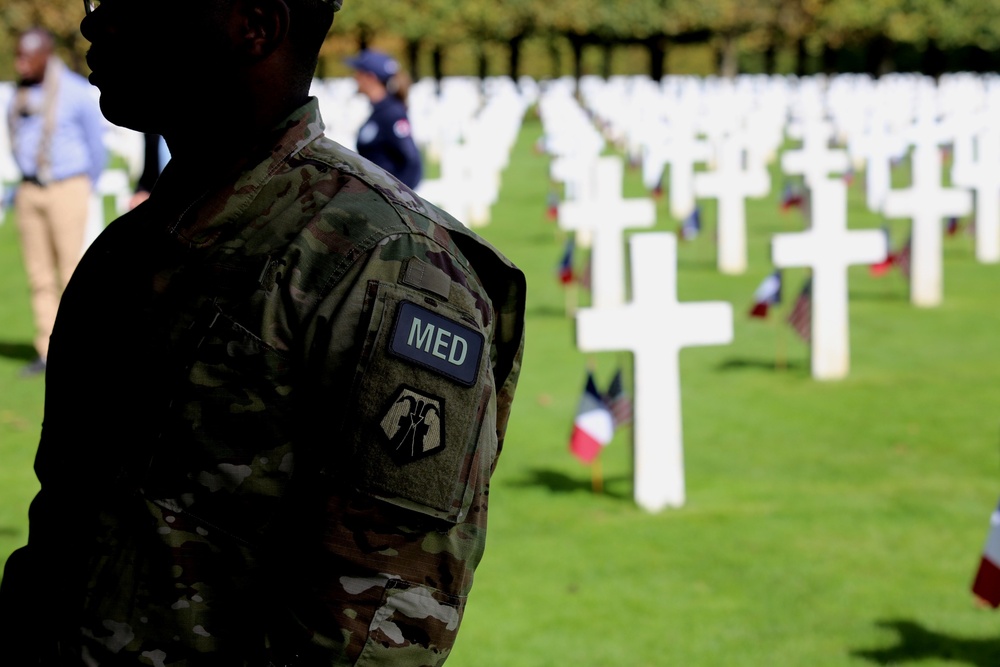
(413, 425)
(437, 343)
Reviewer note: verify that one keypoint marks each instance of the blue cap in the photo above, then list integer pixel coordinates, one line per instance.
(380, 64)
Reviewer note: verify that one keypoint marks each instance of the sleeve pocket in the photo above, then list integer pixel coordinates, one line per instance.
(421, 400)
(414, 627)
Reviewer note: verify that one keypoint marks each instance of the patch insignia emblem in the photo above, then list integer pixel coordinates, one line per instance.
(414, 425)
(437, 343)
(368, 133)
(401, 128)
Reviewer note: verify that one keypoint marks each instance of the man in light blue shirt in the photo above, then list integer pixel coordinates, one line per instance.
(56, 131)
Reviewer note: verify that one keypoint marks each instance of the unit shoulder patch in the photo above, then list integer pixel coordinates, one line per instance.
(413, 425)
(437, 343)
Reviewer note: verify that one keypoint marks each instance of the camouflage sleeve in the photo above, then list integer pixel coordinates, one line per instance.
(405, 349)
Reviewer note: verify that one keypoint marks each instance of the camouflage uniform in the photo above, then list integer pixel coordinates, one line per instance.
(271, 419)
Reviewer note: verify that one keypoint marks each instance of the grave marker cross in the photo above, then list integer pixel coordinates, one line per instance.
(829, 248)
(927, 203)
(655, 326)
(605, 216)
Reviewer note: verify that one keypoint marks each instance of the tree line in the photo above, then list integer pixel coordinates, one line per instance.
(794, 36)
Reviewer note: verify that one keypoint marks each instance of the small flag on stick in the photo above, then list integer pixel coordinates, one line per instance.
(691, 226)
(593, 427)
(902, 258)
(986, 585)
(552, 206)
(801, 316)
(768, 294)
(881, 268)
(618, 401)
(566, 275)
(791, 197)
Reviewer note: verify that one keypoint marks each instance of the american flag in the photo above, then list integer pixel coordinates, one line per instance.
(618, 401)
(801, 316)
(586, 275)
(902, 258)
(691, 226)
(882, 268)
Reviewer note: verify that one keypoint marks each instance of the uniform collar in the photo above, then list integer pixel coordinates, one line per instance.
(197, 216)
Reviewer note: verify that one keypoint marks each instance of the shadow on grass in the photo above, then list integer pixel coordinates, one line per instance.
(916, 643)
(558, 482)
(762, 365)
(696, 263)
(6, 531)
(22, 351)
(893, 294)
(547, 311)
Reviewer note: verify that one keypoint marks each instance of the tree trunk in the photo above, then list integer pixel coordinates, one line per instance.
(729, 65)
(576, 42)
(364, 36)
(607, 60)
(482, 64)
(514, 64)
(829, 59)
(437, 63)
(801, 55)
(413, 58)
(555, 56)
(934, 60)
(878, 56)
(770, 58)
(657, 49)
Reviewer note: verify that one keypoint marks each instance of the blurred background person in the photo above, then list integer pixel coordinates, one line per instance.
(386, 137)
(56, 131)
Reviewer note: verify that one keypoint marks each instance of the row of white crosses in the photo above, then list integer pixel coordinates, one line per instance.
(653, 324)
(467, 125)
(828, 248)
(900, 112)
(474, 146)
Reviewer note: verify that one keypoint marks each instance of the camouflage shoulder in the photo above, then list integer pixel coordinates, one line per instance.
(418, 214)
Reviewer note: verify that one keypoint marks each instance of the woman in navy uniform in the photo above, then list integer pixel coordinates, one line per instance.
(386, 138)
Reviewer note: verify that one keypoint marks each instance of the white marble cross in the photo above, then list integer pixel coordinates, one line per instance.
(877, 147)
(927, 203)
(829, 248)
(604, 215)
(467, 186)
(681, 149)
(655, 326)
(983, 176)
(815, 160)
(731, 184)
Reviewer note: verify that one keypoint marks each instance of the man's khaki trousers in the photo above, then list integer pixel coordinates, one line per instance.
(52, 221)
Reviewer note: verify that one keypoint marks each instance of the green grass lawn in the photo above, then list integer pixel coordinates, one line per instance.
(827, 524)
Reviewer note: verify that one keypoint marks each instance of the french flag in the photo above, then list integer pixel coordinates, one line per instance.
(593, 427)
(986, 586)
(768, 294)
(566, 275)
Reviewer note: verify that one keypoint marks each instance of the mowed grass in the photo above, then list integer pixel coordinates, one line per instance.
(826, 524)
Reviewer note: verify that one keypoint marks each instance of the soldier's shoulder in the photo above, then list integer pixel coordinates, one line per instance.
(368, 176)
(382, 201)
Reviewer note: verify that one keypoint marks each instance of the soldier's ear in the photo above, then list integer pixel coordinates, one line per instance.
(262, 26)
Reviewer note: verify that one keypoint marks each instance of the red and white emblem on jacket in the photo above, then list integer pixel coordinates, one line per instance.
(401, 128)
